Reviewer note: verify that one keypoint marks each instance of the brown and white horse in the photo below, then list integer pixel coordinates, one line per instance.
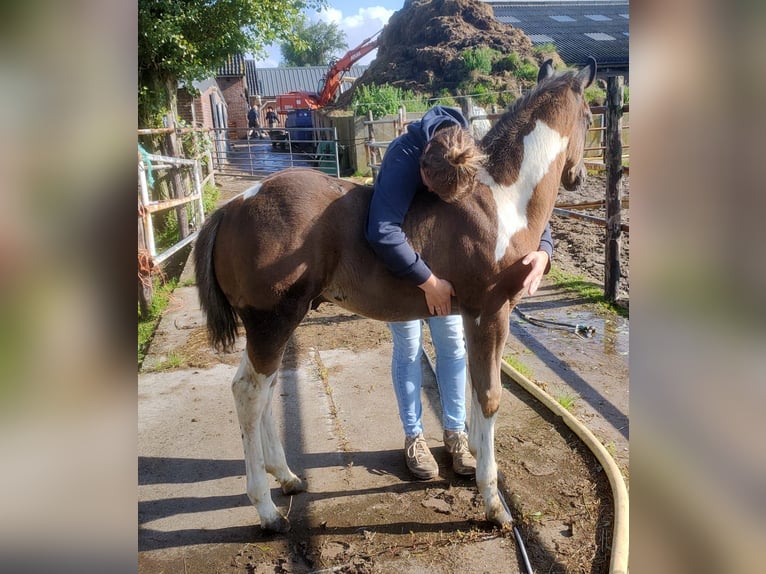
(297, 238)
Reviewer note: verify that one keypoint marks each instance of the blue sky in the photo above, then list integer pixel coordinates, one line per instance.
(359, 19)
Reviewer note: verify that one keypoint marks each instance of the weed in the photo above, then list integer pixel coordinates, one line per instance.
(567, 399)
(518, 365)
(587, 290)
(146, 326)
(173, 361)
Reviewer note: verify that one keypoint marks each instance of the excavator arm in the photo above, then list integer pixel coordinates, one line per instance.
(335, 73)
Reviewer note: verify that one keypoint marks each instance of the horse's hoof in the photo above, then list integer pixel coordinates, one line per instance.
(280, 525)
(294, 486)
(500, 518)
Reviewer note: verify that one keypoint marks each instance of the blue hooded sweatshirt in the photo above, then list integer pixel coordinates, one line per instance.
(395, 187)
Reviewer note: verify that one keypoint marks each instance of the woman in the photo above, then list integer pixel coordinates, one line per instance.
(439, 154)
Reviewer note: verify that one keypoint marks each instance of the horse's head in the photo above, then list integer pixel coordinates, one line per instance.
(575, 116)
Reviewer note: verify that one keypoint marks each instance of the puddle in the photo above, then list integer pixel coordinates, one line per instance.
(610, 334)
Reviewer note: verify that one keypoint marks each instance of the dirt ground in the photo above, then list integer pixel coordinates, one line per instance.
(559, 496)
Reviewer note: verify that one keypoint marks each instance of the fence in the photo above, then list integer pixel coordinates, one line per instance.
(272, 150)
(595, 141)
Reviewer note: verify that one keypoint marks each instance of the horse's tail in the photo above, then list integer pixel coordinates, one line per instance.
(221, 318)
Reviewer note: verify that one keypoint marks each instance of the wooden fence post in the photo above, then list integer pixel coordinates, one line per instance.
(613, 161)
(171, 140)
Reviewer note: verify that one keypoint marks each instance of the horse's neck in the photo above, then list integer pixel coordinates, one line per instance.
(541, 149)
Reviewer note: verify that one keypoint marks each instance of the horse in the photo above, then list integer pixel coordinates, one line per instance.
(296, 239)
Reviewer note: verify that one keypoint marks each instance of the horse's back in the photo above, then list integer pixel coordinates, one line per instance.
(285, 236)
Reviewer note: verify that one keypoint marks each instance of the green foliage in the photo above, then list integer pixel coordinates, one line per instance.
(385, 99)
(546, 48)
(444, 98)
(518, 365)
(484, 95)
(625, 95)
(186, 40)
(508, 63)
(479, 59)
(314, 44)
(166, 222)
(210, 195)
(526, 71)
(588, 291)
(146, 327)
(595, 95)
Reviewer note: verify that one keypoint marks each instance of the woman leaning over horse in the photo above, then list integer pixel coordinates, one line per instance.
(436, 153)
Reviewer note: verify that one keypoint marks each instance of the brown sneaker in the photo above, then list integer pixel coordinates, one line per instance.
(419, 459)
(463, 462)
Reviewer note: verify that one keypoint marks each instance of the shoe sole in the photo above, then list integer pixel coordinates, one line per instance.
(424, 476)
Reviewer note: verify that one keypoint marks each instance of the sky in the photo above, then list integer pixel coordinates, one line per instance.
(359, 19)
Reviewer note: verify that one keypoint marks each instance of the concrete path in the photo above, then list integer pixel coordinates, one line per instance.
(340, 427)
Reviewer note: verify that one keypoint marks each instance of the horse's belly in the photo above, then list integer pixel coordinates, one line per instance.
(379, 296)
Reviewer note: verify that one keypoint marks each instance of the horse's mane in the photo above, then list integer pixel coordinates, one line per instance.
(523, 109)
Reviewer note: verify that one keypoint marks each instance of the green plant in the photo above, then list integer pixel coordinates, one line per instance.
(163, 291)
(546, 48)
(479, 59)
(507, 63)
(386, 99)
(173, 361)
(595, 95)
(518, 365)
(526, 71)
(586, 290)
(567, 399)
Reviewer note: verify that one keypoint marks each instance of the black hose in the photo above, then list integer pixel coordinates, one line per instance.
(523, 549)
(585, 331)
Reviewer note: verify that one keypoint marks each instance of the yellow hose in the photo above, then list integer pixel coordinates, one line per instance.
(619, 561)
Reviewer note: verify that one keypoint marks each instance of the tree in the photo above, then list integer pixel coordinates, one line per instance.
(315, 44)
(186, 40)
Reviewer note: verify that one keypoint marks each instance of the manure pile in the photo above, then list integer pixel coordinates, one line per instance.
(421, 48)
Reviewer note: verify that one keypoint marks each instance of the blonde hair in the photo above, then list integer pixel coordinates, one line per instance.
(450, 163)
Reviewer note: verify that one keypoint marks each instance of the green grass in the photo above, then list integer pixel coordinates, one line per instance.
(147, 325)
(586, 289)
(567, 399)
(173, 361)
(518, 365)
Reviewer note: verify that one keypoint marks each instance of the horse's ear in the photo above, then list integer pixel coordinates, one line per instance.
(546, 71)
(588, 73)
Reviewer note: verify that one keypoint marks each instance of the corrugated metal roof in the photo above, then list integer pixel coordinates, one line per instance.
(269, 82)
(234, 66)
(577, 29)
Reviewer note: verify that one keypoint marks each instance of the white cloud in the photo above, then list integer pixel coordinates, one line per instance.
(357, 27)
(374, 17)
(330, 15)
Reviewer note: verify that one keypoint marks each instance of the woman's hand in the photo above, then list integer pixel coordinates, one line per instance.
(539, 261)
(438, 295)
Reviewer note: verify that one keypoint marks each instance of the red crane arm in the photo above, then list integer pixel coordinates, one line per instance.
(334, 74)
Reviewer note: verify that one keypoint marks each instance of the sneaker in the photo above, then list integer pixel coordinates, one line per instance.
(463, 462)
(419, 459)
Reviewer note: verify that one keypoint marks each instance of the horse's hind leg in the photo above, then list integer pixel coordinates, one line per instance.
(252, 391)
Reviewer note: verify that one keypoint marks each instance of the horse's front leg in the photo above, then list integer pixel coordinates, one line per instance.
(274, 454)
(251, 391)
(485, 339)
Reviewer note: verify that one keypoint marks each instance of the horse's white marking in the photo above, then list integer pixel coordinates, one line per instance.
(481, 441)
(252, 397)
(251, 192)
(541, 146)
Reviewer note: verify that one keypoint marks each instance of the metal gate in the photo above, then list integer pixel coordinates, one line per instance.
(257, 153)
